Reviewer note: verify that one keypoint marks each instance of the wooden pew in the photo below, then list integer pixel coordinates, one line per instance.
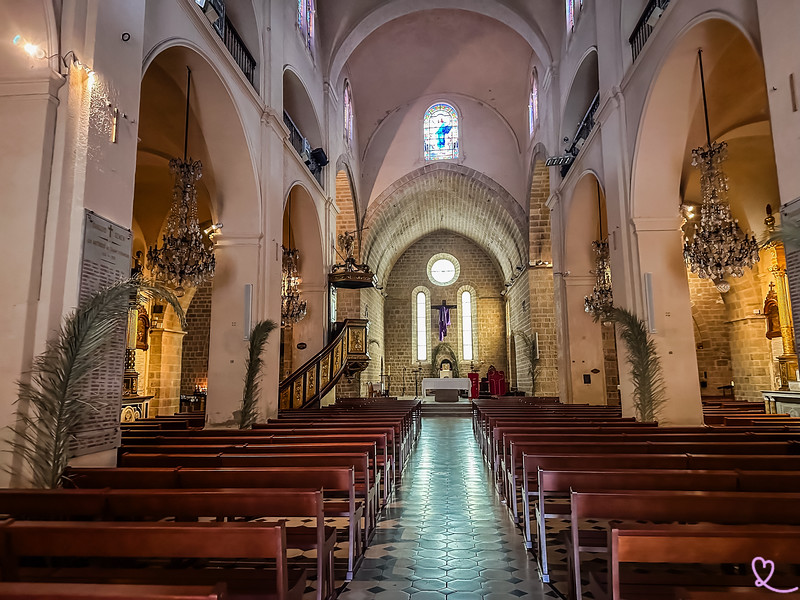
(716, 462)
(129, 543)
(108, 591)
(668, 506)
(358, 461)
(559, 483)
(337, 482)
(385, 453)
(183, 505)
(701, 544)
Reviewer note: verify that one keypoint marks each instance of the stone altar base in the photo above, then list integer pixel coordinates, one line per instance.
(445, 395)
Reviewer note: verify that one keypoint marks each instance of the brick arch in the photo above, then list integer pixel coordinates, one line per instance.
(445, 196)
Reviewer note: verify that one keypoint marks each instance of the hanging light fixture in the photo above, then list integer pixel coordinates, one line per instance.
(183, 260)
(718, 245)
(293, 309)
(601, 301)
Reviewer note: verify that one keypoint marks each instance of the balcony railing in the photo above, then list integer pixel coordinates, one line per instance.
(303, 148)
(646, 24)
(233, 41)
(582, 133)
(239, 52)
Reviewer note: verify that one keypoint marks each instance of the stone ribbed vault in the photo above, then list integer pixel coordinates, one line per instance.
(445, 196)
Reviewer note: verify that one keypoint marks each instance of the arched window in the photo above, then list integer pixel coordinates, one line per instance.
(533, 102)
(310, 17)
(573, 8)
(421, 321)
(570, 15)
(305, 21)
(348, 113)
(466, 325)
(440, 132)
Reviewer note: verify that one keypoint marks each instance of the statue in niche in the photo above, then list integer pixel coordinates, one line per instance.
(771, 313)
(446, 369)
(142, 329)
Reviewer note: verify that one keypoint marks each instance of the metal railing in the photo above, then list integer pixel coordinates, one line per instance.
(233, 41)
(645, 25)
(582, 133)
(301, 146)
(345, 355)
(239, 52)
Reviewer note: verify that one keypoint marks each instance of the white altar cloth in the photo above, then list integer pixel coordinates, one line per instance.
(449, 383)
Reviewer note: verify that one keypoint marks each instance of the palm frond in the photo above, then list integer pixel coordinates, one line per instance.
(645, 365)
(530, 351)
(53, 402)
(252, 376)
(787, 232)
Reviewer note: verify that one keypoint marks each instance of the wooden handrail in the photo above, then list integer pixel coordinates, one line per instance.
(346, 355)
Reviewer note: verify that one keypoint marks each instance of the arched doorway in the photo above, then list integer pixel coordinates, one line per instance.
(302, 339)
(718, 334)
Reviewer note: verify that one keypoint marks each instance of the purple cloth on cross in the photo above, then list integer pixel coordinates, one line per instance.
(444, 321)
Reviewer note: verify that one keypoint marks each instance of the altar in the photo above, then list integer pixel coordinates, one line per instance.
(782, 402)
(445, 383)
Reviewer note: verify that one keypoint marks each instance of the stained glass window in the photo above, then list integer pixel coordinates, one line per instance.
(570, 15)
(422, 326)
(533, 102)
(310, 24)
(348, 113)
(305, 21)
(440, 132)
(466, 325)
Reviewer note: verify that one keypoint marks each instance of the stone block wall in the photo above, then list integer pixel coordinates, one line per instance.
(712, 333)
(164, 373)
(530, 301)
(194, 355)
(518, 311)
(751, 354)
(409, 272)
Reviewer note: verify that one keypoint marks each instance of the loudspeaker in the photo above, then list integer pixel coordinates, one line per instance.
(319, 157)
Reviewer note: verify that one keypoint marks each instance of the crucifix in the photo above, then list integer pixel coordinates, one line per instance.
(444, 318)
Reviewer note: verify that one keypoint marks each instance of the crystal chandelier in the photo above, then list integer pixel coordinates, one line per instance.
(600, 303)
(293, 309)
(183, 260)
(718, 245)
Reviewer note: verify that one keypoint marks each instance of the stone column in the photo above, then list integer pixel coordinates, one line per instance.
(669, 317)
(780, 48)
(237, 264)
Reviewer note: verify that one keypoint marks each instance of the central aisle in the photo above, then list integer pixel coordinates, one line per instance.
(446, 534)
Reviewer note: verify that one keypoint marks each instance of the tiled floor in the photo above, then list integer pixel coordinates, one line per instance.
(446, 535)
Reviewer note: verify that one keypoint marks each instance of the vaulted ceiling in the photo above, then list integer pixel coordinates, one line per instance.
(396, 53)
(444, 196)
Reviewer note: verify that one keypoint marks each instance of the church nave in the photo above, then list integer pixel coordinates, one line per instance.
(446, 534)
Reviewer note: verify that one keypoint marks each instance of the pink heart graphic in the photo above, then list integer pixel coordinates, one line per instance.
(761, 563)
(764, 563)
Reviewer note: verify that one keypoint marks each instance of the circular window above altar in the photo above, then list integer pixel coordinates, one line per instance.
(443, 269)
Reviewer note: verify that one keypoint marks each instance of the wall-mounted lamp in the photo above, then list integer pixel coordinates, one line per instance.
(31, 49)
(70, 59)
(213, 230)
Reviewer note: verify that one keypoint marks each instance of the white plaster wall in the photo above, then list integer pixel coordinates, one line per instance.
(778, 25)
(486, 144)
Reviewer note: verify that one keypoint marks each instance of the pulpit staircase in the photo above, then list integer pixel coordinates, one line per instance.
(345, 355)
